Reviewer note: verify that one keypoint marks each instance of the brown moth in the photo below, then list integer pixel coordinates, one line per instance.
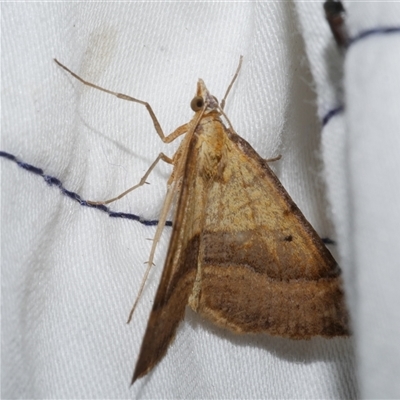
(241, 253)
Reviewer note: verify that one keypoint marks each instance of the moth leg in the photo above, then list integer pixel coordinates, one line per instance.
(142, 181)
(273, 159)
(157, 126)
(166, 139)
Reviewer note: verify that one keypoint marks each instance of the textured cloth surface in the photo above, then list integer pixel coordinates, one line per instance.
(373, 159)
(70, 274)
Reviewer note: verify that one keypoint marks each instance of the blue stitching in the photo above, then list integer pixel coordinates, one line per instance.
(362, 35)
(53, 181)
(330, 114)
(30, 168)
(50, 180)
(7, 155)
(375, 31)
(329, 241)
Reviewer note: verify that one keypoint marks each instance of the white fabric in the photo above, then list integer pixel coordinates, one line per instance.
(361, 149)
(70, 274)
(373, 98)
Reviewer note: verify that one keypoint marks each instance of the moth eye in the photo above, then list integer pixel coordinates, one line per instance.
(197, 103)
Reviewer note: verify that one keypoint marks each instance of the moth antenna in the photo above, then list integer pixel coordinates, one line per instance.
(232, 82)
(160, 227)
(227, 119)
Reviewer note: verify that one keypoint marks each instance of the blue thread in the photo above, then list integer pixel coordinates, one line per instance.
(154, 222)
(100, 207)
(375, 31)
(7, 155)
(53, 181)
(30, 168)
(328, 241)
(330, 114)
(137, 218)
(124, 215)
(72, 195)
(50, 180)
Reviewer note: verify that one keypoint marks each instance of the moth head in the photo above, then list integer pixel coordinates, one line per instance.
(203, 98)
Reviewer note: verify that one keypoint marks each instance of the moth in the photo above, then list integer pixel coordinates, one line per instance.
(241, 254)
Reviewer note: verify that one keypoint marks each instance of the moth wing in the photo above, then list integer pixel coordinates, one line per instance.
(263, 267)
(179, 271)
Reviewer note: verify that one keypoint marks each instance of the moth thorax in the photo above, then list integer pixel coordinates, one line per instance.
(210, 163)
(211, 150)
